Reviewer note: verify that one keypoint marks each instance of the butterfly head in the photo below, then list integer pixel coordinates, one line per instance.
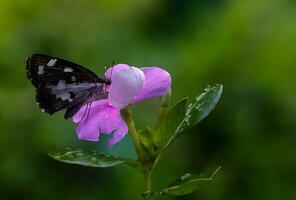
(108, 81)
(108, 78)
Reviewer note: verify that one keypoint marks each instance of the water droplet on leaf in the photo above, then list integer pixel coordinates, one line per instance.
(185, 176)
(207, 88)
(79, 154)
(68, 153)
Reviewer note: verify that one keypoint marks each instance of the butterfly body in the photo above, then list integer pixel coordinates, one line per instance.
(61, 84)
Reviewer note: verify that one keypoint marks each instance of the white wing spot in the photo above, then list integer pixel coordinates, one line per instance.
(68, 69)
(52, 62)
(73, 78)
(63, 90)
(40, 69)
(65, 96)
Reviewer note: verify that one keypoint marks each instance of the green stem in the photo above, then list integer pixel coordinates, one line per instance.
(147, 177)
(128, 118)
(163, 110)
(146, 166)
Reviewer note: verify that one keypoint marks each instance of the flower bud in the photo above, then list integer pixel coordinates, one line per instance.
(165, 101)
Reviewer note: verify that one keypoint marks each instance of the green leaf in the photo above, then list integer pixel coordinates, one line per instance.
(168, 124)
(174, 117)
(201, 107)
(197, 110)
(186, 184)
(74, 155)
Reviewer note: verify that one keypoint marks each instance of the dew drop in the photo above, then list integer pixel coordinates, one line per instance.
(68, 148)
(190, 106)
(207, 88)
(187, 119)
(79, 154)
(197, 106)
(185, 176)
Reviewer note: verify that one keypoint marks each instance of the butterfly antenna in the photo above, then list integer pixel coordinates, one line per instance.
(113, 63)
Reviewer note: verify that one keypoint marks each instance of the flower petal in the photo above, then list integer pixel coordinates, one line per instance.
(126, 84)
(114, 69)
(157, 83)
(102, 118)
(119, 133)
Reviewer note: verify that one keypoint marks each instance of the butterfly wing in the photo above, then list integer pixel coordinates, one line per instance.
(61, 84)
(40, 66)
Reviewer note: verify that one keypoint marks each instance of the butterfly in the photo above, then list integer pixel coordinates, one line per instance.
(61, 84)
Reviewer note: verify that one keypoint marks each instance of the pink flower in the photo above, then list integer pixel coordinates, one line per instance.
(129, 85)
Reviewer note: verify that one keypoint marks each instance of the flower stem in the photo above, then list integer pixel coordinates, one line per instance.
(128, 118)
(146, 164)
(147, 177)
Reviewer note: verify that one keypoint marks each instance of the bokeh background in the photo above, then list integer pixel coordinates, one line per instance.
(249, 46)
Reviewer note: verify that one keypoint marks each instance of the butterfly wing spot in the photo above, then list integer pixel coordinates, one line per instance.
(52, 62)
(40, 69)
(63, 90)
(73, 78)
(65, 96)
(68, 69)
(60, 90)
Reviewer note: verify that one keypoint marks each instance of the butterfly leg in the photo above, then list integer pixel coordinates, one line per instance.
(88, 111)
(85, 111)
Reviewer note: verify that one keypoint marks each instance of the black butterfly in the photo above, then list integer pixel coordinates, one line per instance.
(61, 84)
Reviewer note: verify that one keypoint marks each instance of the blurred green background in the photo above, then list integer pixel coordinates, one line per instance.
(249, 46)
